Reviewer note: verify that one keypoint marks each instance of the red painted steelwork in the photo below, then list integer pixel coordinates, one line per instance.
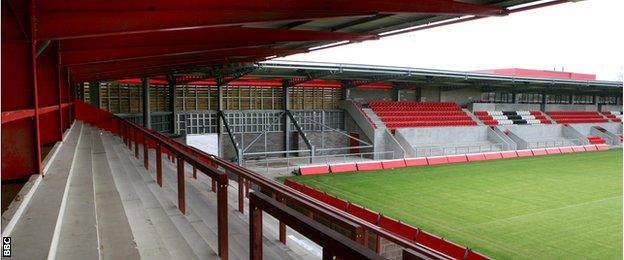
(125, 17)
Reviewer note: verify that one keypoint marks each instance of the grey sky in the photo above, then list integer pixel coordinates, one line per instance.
(580, 37)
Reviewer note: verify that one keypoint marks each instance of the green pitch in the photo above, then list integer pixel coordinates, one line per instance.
(565, 206)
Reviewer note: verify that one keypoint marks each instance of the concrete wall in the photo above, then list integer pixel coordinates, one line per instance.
(461, 96)
(573, 107)
(367, 94)
(534, 132)
(528, 136)
(430, 94)
(585, 129)
(444, 135)
(502, 107)
(322, 140)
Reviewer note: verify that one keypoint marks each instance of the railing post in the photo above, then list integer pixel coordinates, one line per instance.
(282, 232)
(214, 186)
(241, 191)
(145, 152)
(247, 188)
(181, 198)
(129, 142)
(158, 164)
(255, 232)
(136, 143)
(327, 254)
(194, 172)
(222, 216)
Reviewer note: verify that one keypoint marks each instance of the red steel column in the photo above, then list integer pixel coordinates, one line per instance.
(60, 89)
(33, 59)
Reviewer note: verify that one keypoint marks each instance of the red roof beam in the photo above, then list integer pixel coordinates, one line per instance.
(151, 61)
(125, 54)
(77, 18)
(211, 37)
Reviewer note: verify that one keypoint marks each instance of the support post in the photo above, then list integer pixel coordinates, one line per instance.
(344, 93)
(94, 93)
(159, 164)
(172, 103)
(219, 112)
(222, 223)
(33, 51)
(543, 103)
(147, 120)
(181, 197)
(286, 120)
(397, 94)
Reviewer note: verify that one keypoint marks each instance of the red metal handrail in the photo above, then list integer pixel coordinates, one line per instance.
(133, 134)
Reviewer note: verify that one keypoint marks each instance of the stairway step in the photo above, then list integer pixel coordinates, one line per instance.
(204, 202)
(33, 231)
(185, 223)
(149, 243)
(114, 232)
(161, 216)
(78, 231)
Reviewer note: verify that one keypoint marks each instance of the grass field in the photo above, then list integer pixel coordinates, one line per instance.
(565, 206)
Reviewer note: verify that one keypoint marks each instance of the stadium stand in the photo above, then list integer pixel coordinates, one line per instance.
(512, 117)
(567, 117)
(614, 116)
(396, 114)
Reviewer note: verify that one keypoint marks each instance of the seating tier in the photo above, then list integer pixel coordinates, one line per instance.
(396, 114)
(512, 117)
(570, 117)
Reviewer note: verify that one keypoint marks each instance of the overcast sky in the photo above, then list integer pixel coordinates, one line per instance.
(584, 37)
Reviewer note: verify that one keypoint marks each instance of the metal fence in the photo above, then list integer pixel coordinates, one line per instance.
(545, 143)
(423, 151)
(256, 121)
(292, 163)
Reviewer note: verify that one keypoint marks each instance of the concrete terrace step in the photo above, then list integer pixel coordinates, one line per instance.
(159, 215)
(33, 230)
(78, 230)
(147, 239)
(184, 223)
(115, 236)
(202, 213)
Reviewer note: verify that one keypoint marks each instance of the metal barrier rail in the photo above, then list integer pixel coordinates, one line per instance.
(133, 134)
(428, 150)
(333, 243)
(290, 161)
(553, 143)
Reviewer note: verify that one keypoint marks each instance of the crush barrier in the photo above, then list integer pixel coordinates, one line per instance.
(414, 234)
(437, 160)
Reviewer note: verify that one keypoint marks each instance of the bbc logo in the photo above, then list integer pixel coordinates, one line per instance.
(6, 246)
